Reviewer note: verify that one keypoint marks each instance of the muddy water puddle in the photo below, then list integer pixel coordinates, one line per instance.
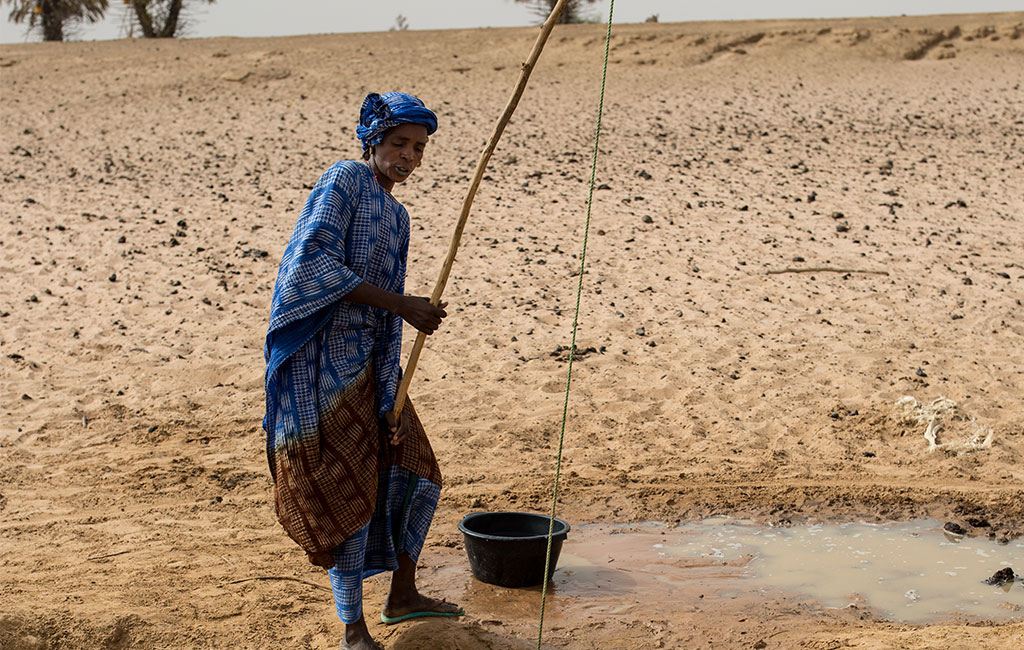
(909, 572)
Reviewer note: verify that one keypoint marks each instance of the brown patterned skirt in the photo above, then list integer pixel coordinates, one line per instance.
(325, 486)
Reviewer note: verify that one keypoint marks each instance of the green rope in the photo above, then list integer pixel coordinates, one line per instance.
(575, 324)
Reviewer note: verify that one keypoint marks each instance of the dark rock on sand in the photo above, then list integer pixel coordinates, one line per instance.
(1001, 577)
(954, 528)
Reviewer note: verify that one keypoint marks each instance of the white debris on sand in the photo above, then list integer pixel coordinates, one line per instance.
(941, 415)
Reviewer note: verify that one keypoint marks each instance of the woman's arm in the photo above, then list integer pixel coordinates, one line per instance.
(414, 310)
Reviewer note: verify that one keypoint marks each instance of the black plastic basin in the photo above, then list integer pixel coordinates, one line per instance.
(507, 548)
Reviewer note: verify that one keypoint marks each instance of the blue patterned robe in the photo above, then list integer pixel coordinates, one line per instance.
(351, 230)
(333, 365)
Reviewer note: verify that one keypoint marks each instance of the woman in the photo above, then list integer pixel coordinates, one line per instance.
(355, 487)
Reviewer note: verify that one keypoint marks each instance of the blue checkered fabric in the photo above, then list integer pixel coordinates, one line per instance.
(375, 549)
(382, 112)
(350, 231)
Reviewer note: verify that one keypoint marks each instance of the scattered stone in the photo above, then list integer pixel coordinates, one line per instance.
(604, 186)
(920, 373)
(237, 75)
(843, 227)
(562, 353)
(978, 522)
(648, 219)
(838, 215)
(113, 277)
(1001, 577)
(798, 258)
(954, 528)
(641, 331)
(26, 397)
(644, 175)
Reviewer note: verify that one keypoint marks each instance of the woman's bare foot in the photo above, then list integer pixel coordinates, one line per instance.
(404, 599)
(397, 608)
(357, 637)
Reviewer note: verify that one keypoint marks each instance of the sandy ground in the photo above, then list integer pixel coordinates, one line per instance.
(149, 189)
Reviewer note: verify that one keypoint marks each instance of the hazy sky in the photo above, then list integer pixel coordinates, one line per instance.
(287, 17)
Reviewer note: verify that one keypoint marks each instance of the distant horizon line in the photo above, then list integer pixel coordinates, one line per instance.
(490, 27)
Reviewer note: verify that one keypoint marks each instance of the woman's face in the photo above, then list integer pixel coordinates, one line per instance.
(399, 153)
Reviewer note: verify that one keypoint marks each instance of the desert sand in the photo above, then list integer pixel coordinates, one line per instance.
(798, 224)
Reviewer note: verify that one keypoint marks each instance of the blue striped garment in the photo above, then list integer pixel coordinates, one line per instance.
(350, 231)
(382, 112)
(374, 549)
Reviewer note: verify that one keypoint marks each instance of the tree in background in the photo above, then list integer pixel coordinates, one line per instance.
(573, 12)
(52, 16)
(159, 18)
(401, 24)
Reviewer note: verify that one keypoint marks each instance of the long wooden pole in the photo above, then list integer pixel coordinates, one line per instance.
(481, 166)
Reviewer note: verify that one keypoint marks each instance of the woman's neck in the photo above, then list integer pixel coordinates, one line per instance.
(386, 183)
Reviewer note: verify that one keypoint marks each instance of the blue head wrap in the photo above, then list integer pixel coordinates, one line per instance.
(382, 112)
